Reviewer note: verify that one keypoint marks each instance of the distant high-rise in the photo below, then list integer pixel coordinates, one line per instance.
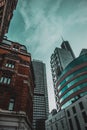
(6, 13)
(40, 100)
(59, 60)
(16, 87)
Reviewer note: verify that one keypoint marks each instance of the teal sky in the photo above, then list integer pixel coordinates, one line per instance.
(39, 24)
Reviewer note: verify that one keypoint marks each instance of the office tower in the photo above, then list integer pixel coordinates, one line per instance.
(65, 45)
(72, 84)
(6, 13)
(16, 87)
(40, 100)
(59, 60)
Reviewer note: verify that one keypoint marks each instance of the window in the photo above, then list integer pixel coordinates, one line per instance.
(10, 64)
(77, 123)
(11, 104)
(51, 127)
(74, 109)
(68, 113)
(15, 47)
(5, 80)
(84, 116)
(71, 125)
(56, 126)
(62, 124)
(81, 105)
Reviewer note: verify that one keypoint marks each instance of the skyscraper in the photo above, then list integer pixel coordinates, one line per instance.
(16, 86)
(40, 100)
(6, 13)
(59, 60)
(72, 84)
(65, 45)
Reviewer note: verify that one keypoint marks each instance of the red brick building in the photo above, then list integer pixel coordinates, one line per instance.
(6, 13)
(16, 78)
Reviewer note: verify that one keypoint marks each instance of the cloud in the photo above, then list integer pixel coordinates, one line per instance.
(79, 16)
(42, 27)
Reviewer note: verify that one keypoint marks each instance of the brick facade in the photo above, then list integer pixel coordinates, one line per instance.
(16, 78)
(6, 13)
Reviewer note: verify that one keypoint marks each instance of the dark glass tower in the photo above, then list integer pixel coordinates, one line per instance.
(59, 60)
(65, 45)
(40, 100)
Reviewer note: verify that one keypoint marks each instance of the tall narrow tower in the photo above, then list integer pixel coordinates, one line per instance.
(6, 13)
(59, 60)
(40, 101)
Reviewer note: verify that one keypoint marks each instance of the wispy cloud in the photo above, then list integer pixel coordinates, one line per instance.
(43, 27)
(79, 15)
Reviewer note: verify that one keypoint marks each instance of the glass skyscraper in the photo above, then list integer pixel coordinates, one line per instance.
(59, 60)
(72, 83)
(40, 100)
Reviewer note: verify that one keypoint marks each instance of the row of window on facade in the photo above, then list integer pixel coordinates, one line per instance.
(73, 116)
(5, 78)
(83, 113)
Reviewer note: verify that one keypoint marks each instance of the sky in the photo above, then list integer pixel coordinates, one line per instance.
(39, 25)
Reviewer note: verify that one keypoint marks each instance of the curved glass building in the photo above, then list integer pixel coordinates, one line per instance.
(72, 83)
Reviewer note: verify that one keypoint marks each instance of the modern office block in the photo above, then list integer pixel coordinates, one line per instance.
(40, 100)
(16, 86)
(6, 12)
(57, 121)
(65, 45)
(73, 117)
(76, 114)
(72, 83)
(59, 60)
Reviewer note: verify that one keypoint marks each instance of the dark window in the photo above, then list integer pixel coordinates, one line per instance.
(10, 64)
(62, 124)
(84, 116)
(77, 123)
(74, 110)
(81, 105)
(56, 126)
(5, 80)
(11, 104)
(15, 47)
(51, 127)
(86, 128)
(68, 113)
(71, 125)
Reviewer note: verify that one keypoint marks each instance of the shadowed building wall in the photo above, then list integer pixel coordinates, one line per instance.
(16, 81)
